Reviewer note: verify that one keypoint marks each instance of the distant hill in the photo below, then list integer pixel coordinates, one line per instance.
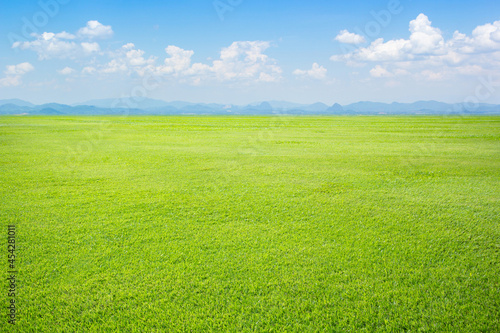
(47, 112)
(149, 106)
(15, 101)
(335, 109)
(14, 109)
(283, 105)
(143, 103)
(420, 107)
(316, 107)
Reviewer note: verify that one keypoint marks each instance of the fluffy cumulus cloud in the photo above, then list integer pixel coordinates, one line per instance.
(128, 59)
(14, 73)
(241, 61)
(316, 72)
(485, 38)
(95, 29)
(424, 40)
(428, 55)
(246, 60)
(64, 45)
(350, 38)
(178, 61)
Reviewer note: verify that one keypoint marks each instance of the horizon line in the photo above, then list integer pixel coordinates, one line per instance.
(142, 99)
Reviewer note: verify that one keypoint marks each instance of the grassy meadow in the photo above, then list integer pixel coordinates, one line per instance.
(275, 224)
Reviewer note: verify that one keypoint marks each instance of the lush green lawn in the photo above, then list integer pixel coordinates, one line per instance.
(337, 224)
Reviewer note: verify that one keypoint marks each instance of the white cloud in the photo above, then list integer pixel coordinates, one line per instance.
(424, 40)
(242, 60)
(316, 72)
(265, 77)
(128, 60)
(246, 60)
(10, 81)
(427, 55)
(475, 70)
(66, 71)
(65, 35)
(495, 35)
(14, 74)
(63, 45)
(198, 69)
(94, 29)
(128, 46)
(89, 48)
(349, 38)
(179, 60)
(379, 71)
(136, 58)
(485, 38)
(380, 51)
(19, 69)
(49, 46)
(382, 72)
(114, 66)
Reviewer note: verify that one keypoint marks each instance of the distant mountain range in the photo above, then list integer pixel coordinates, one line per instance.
(148, 106)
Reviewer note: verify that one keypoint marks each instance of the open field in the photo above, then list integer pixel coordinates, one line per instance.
(305, 224)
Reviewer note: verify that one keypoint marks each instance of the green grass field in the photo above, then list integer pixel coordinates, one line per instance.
(296, 224)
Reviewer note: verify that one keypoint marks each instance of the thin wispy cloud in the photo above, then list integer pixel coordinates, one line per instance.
(316, 72)
(14, 74)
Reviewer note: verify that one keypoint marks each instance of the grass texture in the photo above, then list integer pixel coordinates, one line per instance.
(273, 224)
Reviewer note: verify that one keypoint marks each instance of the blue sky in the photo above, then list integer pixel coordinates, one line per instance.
(243, 51)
